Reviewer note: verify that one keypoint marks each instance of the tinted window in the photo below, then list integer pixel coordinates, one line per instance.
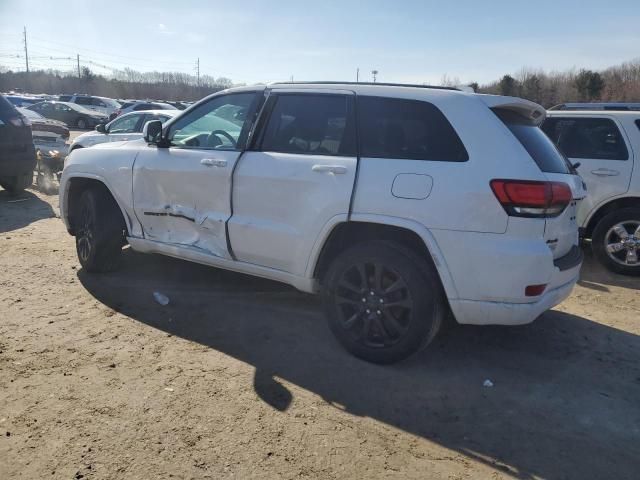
(311, 124)
(208, 126)
(535, 142)
(597, 138)
(96, 102)
(64, 98)
(144, 106)
(410, 129)
(83, 100)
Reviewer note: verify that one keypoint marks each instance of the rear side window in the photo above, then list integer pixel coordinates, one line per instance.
(535, 142)
(597, 138)
(144, 106)
(407, 129)
(83, 100)
(311, 124)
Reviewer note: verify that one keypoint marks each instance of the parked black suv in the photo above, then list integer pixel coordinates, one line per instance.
(17, 153)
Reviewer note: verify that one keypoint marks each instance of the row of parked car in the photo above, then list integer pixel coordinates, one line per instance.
(427, 201)
(86, 111)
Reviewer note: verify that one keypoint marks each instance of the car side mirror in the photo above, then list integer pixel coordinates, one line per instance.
(152, 132)
(101, 128)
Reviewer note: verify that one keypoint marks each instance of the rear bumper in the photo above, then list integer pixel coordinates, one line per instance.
(567, 273)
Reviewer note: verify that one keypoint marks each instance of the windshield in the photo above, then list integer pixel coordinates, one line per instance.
(30, 114)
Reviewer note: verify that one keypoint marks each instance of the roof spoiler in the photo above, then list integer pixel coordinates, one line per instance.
(531, 111)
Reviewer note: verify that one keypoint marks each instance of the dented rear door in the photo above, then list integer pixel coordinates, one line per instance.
(182, 194)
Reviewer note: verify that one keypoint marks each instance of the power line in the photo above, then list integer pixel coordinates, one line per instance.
(26, 53)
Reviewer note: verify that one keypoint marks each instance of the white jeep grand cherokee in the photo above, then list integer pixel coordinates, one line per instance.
(396, 203)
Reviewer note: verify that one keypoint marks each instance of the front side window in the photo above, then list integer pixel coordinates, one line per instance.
(96, 102)
(219, 124)
(406, 129)
(596, 138)
(124, 124)
(83, 100)
(65, 98)
(311, 124)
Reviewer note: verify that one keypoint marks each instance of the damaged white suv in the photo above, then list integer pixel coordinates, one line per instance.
(396, 203)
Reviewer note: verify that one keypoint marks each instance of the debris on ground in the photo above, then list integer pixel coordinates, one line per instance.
(161, 299)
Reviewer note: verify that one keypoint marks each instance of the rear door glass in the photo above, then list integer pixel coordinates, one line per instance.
(597, 138)
(536, 143)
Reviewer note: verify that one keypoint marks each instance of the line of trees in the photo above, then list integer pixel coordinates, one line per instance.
(620, 83)
(122, 84)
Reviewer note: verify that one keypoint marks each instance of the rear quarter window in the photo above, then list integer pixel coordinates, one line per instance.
(406, 129)
(595, 138)
(541, 149)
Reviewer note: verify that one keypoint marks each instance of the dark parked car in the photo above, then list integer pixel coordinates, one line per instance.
(22, 101)
(70, 113)
(17, 153)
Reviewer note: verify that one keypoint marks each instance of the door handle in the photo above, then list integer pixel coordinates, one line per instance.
(605, 172)
(212, 162)
(336, 169)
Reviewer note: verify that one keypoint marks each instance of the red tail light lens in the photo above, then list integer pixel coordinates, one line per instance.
(525, 198)
(534, 290)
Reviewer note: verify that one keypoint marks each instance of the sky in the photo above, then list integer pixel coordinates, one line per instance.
(251, 41)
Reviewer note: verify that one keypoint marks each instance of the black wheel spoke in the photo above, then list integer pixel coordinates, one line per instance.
(347, 285)
(403, 302)
(373, 302)
(341, 300)
(390, 322)
(351, 321)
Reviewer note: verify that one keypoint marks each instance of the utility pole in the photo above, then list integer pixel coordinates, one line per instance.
(78, 59)
(198, 68)
(26, 53)
(357, 74)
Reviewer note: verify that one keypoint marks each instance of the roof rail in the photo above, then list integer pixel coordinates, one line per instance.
(380, 84)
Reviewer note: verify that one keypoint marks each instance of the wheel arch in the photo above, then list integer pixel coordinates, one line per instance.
(410, 234)
(606, 208)
(74, 187)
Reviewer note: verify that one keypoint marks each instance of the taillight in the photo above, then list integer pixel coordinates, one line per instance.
(525, 198)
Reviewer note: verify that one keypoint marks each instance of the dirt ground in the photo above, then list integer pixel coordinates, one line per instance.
(240, 378)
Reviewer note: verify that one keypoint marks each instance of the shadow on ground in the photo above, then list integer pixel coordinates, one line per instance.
(596, 277)
(21, 209)
(566, 395)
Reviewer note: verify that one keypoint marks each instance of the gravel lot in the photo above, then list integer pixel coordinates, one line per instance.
(240, 378)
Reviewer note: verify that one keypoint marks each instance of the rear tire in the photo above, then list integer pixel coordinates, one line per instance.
(99, 231)
(616, 241)
(383, 301)
(17, 183)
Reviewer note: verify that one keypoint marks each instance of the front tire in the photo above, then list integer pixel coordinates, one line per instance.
(616, 241)
(383, 301)
(99, 232)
